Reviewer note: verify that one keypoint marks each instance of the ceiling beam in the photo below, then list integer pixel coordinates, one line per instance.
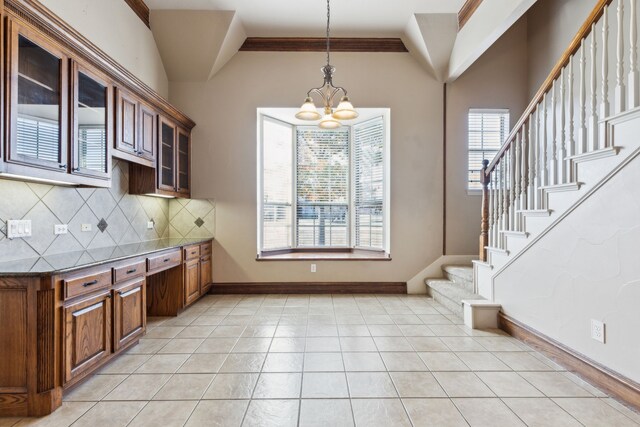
(467, 9)
(141, 9)
(319, 44)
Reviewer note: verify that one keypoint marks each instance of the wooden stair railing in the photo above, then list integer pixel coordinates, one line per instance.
(566, 118)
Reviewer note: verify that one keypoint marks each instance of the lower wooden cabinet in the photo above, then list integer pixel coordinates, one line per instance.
(129, 312)
(205, 274)
(191, 281)
(87, 334)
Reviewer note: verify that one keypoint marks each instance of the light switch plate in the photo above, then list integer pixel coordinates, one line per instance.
(313, 268)
(18, 228)
(598, 330)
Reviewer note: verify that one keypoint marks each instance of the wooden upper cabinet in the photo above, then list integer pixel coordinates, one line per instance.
(126, 122)
(167, 155)
(92, 122)
(37, 100)
(148, 135)
(183, 161)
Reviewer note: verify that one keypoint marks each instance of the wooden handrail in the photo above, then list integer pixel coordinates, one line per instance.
(584, 31)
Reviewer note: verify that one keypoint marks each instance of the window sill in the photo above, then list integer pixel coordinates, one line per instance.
(346, 255)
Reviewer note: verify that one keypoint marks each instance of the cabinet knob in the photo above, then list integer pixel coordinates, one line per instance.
(63, 166)
(76, 169)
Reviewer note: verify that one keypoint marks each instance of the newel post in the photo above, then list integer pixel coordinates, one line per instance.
(484, 225)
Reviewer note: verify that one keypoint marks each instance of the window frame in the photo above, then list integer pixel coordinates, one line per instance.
(478, 191)
(351, 251)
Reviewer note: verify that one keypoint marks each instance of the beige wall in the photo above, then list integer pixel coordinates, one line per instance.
(224, 156)
(116, 29)
(552, 24)
(497, 80)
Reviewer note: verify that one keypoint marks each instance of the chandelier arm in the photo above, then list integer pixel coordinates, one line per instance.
(328, 31)
(317, 90)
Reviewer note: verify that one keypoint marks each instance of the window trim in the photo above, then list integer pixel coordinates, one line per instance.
(350, 252)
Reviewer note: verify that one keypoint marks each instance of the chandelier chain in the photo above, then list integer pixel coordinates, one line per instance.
(328, 37)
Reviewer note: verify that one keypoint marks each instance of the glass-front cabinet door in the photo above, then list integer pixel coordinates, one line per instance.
(38, 89)
(92, 123)
(184, 152)
(167, 155)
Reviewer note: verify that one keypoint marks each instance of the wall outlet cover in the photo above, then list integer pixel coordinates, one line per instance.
(85, 227)
(60, 229)
(598, 330)
(313, 268)
(150, 225)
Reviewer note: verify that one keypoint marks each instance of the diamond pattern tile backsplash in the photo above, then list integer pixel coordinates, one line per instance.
(115, 216)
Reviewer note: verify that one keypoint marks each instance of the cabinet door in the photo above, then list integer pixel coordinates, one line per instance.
(205, 274)
(148, 138)
(191, 281)
(129, 313)
(184, 161)
(87, 334)
(92, 123)
(126, 122)
(38, 100)
(167, 155)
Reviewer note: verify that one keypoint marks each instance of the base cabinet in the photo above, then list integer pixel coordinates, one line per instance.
(129, 312)
(191, 281)
(205, 274)
(87, 334)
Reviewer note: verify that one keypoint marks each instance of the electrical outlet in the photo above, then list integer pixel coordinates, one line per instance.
(313, 268)
(18, 228)
(150, 225)
(598, 330)
(60, 229)
(85, 227)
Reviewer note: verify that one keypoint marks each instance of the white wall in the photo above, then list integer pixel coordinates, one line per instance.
(224, 156)
(587, 267)
(497, 80)
(115, 28)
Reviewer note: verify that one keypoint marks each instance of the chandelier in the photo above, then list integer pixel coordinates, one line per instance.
(327, 92)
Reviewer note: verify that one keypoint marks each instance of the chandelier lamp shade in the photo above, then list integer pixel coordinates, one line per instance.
(330, 119)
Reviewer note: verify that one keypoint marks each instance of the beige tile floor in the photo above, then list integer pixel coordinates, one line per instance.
(338, 360)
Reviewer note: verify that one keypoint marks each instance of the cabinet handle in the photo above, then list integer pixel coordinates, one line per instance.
(133, 270)
(63, 166)
(166, 260)
(193, 253)
(93, 282)
(76, 169)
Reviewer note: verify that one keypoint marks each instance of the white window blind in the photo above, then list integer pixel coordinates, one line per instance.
(488, 129)
(93, 147)
(368, 142)
(277, 184)
(38, 138)
(322, 187)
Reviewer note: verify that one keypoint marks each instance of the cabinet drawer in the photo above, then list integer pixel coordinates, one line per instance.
(191, 252)
(86, 284)
(129, 271)
(205, 249)
(164, 261)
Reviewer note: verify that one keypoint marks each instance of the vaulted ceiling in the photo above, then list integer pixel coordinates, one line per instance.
(197, 37)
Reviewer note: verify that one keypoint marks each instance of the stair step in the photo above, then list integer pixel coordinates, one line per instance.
(449, 294)
(558, 188)
(461, 274)
(594, 155)
(536, 212)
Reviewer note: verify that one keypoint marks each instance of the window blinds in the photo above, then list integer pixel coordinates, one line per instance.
(38, 138)
(322, 187)
(368, 141)
(488, 129)
(277, 184)
(93, 147)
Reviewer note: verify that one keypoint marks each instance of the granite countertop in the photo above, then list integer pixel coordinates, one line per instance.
(70, 261)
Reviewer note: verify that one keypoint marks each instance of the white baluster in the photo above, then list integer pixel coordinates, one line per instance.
(507, 190)
(544, 158)
(517, 171)
(500, 222)
(571, 142)
(490, 219)
(532, 162)
(633, 85)
(513, 182)
(605, 107)
(582, 134)
(620, 91)
(562, 151)
(538, 158)
(593, 120)
(553, 164)
(496, 204)
(524, 171)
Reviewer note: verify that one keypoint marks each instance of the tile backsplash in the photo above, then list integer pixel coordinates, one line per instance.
(115, 216)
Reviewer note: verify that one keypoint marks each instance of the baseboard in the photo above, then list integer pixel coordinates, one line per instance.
(600, 376)
(310, 288)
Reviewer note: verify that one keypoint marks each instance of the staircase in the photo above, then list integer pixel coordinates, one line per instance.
(455, 285)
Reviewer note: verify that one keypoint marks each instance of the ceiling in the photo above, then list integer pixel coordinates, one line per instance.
(429, 29)
(307, 18)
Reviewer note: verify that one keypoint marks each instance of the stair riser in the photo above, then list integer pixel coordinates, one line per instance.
(465, 282)
(454, 306)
